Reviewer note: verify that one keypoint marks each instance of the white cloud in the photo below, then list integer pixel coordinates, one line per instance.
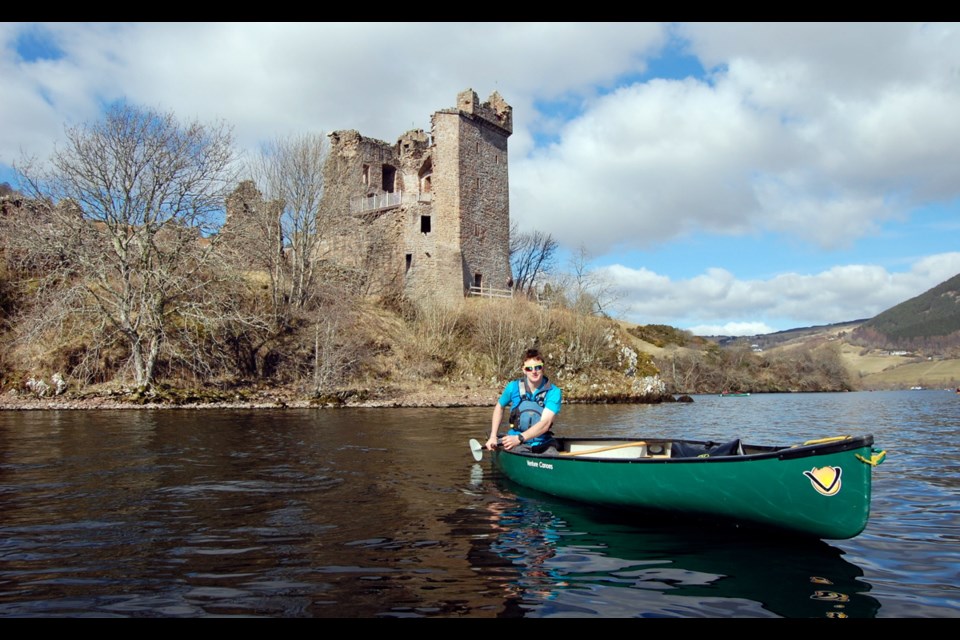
(271, 79)
(820, 132)
(731, 329)
(710, 300)
(644, 164)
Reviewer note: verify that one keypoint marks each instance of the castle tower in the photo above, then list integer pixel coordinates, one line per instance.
(471, 193)
(430, 215)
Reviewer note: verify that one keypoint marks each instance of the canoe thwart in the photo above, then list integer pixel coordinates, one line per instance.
(579, 450)
(637, 449)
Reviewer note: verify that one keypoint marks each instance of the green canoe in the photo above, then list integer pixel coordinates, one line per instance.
(820, 488)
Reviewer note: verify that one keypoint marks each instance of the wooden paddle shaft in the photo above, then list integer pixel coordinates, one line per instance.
(600, 449)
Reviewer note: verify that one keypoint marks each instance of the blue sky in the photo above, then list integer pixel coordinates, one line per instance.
(725, 178)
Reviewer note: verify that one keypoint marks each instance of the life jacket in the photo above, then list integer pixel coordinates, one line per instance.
(527, 412)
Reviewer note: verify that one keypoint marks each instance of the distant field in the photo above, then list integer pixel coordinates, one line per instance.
(881, 371)
(875, 370)
(928, 374)
(870, 364)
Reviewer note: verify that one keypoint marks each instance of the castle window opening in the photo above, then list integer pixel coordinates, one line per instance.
(389, 178)
(366, 174)
(478, 281)
(424, 224)
(409, 261)
(425, 176)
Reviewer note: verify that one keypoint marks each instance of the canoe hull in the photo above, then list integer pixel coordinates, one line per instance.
(818, 490)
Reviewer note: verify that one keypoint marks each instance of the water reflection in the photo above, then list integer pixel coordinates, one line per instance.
(558, 559)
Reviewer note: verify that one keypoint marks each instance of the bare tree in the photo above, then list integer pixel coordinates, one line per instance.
(290, 173)
(289, 235)
(121, 216)
(587, 290)
(338, 347)
(532, 255)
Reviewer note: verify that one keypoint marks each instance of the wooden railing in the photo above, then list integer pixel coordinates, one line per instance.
(489, 292)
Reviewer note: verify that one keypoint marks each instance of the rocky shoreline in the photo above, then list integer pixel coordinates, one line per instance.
(280, 399)
(264, 400)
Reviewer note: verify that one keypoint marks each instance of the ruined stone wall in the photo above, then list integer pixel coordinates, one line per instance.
(418, 249)
(251, 232)
(362, 241)
(436, 255)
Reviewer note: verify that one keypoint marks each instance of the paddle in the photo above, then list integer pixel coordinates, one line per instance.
(476, 449)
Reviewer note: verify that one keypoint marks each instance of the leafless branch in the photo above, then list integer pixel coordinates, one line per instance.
(121, 213)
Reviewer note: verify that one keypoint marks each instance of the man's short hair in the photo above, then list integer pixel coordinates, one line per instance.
(532, 354)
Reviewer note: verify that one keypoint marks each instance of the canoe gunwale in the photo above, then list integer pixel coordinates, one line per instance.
(788, 452)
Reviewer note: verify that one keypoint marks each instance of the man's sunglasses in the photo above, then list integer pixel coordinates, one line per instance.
(536, 367)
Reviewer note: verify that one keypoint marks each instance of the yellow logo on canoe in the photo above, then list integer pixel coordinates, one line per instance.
(826, 480)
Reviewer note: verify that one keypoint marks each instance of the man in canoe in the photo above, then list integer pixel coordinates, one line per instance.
(535, 403)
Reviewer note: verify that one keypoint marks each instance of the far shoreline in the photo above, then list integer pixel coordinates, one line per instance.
(279, 401)
(200, 406)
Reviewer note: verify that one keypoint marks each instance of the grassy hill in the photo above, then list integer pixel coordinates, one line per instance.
(934, 313)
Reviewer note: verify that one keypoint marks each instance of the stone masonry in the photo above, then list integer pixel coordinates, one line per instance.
(429, 216)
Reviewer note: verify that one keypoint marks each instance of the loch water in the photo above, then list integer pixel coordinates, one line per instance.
(384, 513)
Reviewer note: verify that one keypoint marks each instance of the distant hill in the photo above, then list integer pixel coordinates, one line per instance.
(767, 340)
(934, 313)
(661, 335)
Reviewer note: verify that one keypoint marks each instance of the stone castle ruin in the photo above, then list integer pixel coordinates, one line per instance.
(428, 216)
(435, 209)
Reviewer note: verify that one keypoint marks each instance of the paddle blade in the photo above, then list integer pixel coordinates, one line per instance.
(476, 449)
